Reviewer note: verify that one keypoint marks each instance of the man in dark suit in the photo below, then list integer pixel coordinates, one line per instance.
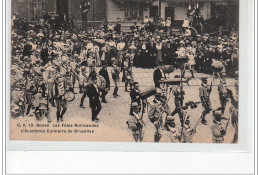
(152, 53)
(158, 74)
(94, 102)
(135, 97)
(103, 72)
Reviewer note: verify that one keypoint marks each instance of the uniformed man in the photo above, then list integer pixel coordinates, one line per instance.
(178, 101)
(83, 84)
(233, 110)
(66, 72)
(127, 72)
(217, 130)
(136, 123)
(155, 115)
(135, 96)
(115, 76)
(62, 105)
(204, 94)
(223, 93)
(30, 91)
(103, 72)
(94, 102)
(18, 99)
(27, 66)
(187, 131)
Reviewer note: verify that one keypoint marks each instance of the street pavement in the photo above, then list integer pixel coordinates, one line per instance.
(114, 114)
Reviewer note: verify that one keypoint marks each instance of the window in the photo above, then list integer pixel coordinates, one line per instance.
(134, 11)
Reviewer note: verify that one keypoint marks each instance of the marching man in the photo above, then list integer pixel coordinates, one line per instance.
(204, 94)
(217, 130)
(115, 76)
(62, 105)
(155, 115)
(94, 95)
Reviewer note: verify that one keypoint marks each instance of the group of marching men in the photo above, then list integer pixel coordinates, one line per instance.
(160, 114)
(36, 86)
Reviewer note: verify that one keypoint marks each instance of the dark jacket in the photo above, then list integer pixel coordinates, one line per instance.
(135, 96)
(103, 72)
(93, 95)
(157, 76)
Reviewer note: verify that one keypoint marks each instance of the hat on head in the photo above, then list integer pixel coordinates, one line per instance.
(135, 105)
(158, 92)
(93, 77)
(217, 114)
(204, 79)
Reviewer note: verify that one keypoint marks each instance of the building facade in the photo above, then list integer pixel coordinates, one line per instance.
(129, 11)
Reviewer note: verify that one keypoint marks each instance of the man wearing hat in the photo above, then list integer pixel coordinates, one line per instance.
(135, 96)
(94, 102)
(115, 76)
(178, 101)
(217, 130)
(223, 93)
(83, 84)
(27, 66)
(204, 94)
(155, 114)
(136, 123)
(59, 89)
(158, 74)
(233, 110)
(127, 68)
(17, 97)
(103, 72)
(187, 131)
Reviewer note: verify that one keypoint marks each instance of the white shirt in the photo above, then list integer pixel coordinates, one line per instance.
(168, 23)
(120, 46)
(96, 87)
(163, 75)
(186, 23)
(159, 46)
(90, 46)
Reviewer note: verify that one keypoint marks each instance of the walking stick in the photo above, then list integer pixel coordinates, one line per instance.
(227, 123)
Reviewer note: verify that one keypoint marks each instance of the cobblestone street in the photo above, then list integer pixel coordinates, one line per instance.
(113, 116)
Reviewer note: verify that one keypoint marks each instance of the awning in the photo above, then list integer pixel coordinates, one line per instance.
(141, 1)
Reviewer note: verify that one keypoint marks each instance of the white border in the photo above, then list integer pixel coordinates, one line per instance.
(220, 158)
(245, 113)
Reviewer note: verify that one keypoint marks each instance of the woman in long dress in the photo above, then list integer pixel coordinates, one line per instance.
(103, 53)
(97, 56)
(159, 52)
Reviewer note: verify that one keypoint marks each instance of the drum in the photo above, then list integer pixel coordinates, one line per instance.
(69, 96)
(101, 82)
(148, 92)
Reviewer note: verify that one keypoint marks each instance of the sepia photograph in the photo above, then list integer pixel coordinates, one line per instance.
(124, 71)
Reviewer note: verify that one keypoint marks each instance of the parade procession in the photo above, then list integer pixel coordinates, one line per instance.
(149, 82)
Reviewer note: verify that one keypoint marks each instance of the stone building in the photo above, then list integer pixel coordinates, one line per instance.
(129, 11)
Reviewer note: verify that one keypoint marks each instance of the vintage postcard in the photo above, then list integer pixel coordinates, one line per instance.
(124, 71)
